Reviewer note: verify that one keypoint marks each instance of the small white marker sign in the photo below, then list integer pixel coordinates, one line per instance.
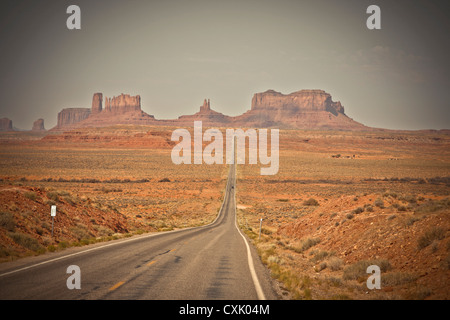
(53, 211)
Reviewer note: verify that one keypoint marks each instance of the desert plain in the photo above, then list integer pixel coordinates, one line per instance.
(341, 201)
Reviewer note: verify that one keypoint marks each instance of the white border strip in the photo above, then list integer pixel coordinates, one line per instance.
(88, 250)
(251, 266)
(118, 242)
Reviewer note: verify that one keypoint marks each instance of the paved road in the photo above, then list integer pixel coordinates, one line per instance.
(204, 263)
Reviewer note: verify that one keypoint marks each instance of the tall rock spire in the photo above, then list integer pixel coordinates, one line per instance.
(97, 103)
(206, 106)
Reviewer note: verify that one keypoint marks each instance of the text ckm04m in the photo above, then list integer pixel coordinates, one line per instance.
(213, 152)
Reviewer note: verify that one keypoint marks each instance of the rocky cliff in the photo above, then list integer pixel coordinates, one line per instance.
(38, 125)
(206, 107)
(97, 103)
(297, 102)
(304, 109)
(208, 117)
(123, 109)
(6, 124)
(122, 104)
(71, 116)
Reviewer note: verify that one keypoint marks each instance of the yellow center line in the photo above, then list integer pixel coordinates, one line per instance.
(118, 284)
(151, 262)
(172, 250)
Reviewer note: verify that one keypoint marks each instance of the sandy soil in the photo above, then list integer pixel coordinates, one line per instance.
(340, 202)
(380, 198)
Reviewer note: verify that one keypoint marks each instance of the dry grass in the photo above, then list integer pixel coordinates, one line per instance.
(435, 233)
(100, 191)
(372, 210)
(358, 269)
(324, 216)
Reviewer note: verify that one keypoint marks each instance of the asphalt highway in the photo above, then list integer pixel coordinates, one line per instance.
(211, 262)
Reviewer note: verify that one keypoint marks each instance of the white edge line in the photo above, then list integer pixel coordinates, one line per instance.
(251, 266)
(85, 251)
(116, 243)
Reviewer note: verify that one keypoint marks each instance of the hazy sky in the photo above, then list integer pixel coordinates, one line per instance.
(177, 53)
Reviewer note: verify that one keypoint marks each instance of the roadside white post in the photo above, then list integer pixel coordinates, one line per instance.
(53, 214)
(260, 225)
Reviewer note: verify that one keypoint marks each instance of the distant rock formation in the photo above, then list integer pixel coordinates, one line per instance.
(208, 117)
(304, 109)
(70, 116)
(206, 106)
(97, 103)
(122, 104)
(300, 101)
(124, 109)
(38, 125)
(6, 124)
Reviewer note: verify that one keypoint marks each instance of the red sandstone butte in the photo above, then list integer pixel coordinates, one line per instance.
(38, 125)
(70, 116)
(6, 124)
(304, 109)
(97, 103)
(208, 117)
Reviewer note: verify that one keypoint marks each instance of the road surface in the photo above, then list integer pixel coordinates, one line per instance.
(202, 263)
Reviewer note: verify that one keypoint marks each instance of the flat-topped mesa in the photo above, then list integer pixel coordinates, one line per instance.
(71, 116)
(124, 109)
(123, 103)
(297, 102)
(38, 125)
(304, 109)
(6, 124)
